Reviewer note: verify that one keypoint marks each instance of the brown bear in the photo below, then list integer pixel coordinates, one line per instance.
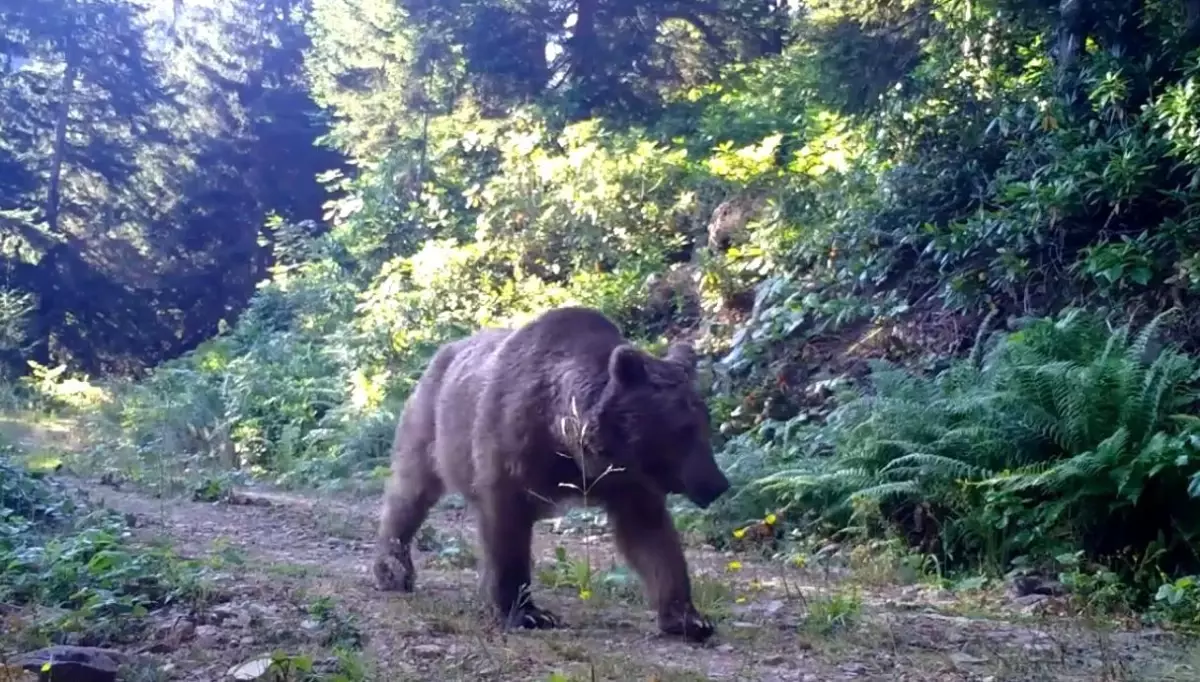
(518, 421)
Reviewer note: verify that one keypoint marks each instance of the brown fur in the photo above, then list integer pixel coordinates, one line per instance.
(507, 417)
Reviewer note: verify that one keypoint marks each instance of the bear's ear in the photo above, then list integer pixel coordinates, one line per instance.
(627, 365)
(684, 355)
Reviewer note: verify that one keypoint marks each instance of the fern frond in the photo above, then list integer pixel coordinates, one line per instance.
(1137, 350)
(1164, 378)
(981, 335)
(1092, 463)
(1185, 422)
(1021, 480)
(884, 491)
(936, 465)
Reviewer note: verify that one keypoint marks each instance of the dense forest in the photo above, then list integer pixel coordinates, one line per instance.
(941, 257)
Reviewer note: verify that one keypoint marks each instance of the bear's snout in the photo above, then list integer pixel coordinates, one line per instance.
(704, 489)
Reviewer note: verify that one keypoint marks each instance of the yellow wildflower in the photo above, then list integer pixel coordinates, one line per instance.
(739, 533)
(585, 594)
(771, 519)
(735, 565)
(740, 600)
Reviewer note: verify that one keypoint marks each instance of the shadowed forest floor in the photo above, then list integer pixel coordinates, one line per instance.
(290, 572)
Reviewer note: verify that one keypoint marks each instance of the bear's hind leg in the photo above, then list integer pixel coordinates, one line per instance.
(646, 536)
(406, 504)
(506, 536)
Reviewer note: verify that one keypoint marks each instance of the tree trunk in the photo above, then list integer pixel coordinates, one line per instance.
(1191, 34)
(1134, 47)
(54, 192)
(583, 47)
(1075, 20)
(780, 19)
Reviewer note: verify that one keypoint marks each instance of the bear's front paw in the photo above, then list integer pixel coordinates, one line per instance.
(531, 617)
(690, 625)
(394, 574)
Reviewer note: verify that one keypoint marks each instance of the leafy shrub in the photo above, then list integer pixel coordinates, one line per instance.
(26, 499)
(1178, 601)
(1066, 435)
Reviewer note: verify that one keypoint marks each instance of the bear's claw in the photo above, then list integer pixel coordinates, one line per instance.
(533, 618)
(692, 626)
(394, 574)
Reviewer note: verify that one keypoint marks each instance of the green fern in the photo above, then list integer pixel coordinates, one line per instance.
(1055, 435)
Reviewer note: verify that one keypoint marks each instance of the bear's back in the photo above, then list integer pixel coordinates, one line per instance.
(559, 357)
(505, 394)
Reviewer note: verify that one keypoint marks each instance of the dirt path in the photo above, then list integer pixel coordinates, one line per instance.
(284, 553)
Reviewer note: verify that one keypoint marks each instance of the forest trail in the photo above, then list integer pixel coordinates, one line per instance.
(285, 552)
(291, 573)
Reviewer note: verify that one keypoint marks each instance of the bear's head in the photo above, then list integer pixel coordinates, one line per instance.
(651, 416)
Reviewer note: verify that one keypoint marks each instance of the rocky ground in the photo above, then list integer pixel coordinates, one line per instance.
(289, 573)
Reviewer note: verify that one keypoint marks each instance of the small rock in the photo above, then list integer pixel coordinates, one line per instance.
(961, 658)
(259, 611)
(725, 648)
(184, 630)
(207, 636)
(247, 498)
(310, 625)
(428, 651)
(1034, 603)
(775, 660)
(169, 636)
(229, 616)
(855, 669)
(809, 677)
(74, 663)
(1026, 585)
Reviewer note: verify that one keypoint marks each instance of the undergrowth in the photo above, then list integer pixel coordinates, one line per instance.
(73, 575)
(1063, 435)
